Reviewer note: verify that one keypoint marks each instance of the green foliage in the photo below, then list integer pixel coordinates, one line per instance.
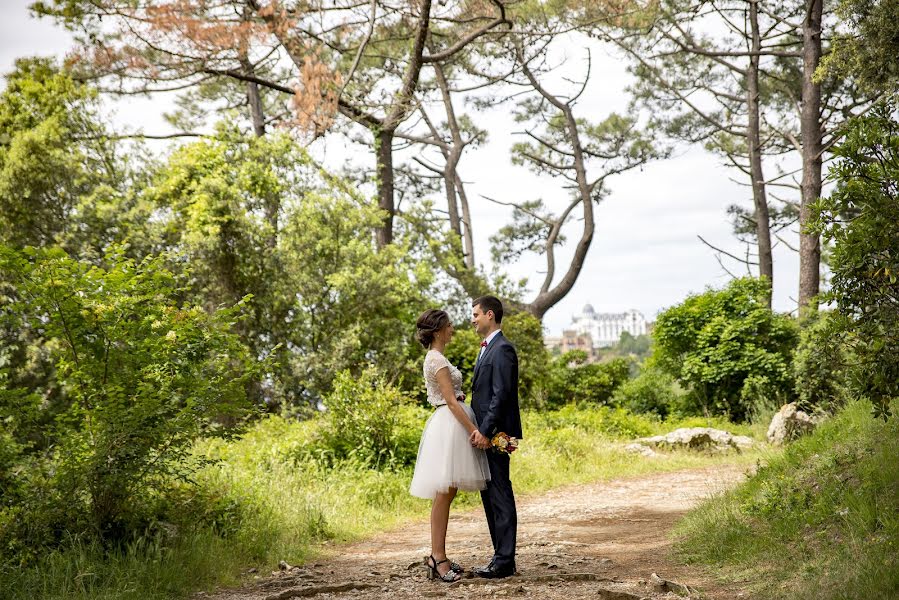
(593, 420)
(639, 346)
(868, 52)
(572, 379)
(820, 364)
(139, 375)
(54, 154)
(652, 391)
(462, 352)
(526, 332)
(727, 349)
(355, 305)
(861, 220)
(258, 216)
(363, 421)
(820, 521)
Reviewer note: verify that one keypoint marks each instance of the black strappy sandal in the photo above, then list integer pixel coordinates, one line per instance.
(451, 576)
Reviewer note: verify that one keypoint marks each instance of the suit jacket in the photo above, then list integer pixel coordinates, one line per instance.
(494, 389)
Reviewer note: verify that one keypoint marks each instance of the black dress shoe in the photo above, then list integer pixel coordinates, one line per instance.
(492, 571)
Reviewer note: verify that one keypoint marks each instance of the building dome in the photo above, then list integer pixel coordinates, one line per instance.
(605, 329)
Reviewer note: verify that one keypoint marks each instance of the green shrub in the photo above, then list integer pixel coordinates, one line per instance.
(861, 219)
(592, 420)
(727, 348)
(526, 332)
(652, 391)
(462, 352)
(364, 420)
(141, 377)
(820, 363)
(572, 379)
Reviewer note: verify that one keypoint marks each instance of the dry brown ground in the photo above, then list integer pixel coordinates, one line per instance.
(601, 540)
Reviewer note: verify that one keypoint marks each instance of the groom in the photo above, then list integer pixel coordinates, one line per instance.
(495, 404)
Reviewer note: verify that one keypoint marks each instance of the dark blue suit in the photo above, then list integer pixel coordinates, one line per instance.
(495, 404)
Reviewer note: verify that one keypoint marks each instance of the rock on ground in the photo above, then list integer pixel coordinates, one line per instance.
(788, 424)
(698, 438)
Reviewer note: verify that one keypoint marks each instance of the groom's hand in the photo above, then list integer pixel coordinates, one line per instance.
(478, 440)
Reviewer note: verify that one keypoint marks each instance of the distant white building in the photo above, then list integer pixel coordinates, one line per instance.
(605, 329)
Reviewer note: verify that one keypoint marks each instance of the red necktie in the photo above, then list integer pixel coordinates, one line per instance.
(484, 344)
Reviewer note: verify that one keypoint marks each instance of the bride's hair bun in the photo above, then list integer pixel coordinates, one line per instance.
(429, 323)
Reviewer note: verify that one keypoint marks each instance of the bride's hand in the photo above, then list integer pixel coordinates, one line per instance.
(478, 440)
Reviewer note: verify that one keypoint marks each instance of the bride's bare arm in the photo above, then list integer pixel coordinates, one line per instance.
(446, 390)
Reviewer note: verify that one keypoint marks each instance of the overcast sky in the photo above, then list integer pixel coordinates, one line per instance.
(645, 252)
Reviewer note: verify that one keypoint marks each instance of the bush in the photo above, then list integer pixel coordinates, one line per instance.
(861, 219)
(572, 379)
(140, 378)
(727, 348)
(819, 365)
(462, 352)
(652, 391)
(604, 421)
(364, 421)
(526, 332)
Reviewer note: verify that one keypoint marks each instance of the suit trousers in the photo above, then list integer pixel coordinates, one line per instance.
(499, 506)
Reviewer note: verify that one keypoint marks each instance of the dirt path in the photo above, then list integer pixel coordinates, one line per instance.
(602, 540)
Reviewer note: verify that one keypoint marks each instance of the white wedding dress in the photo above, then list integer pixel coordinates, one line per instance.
(446, 459)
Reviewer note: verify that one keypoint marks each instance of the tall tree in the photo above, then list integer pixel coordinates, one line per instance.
(57, 162)
(341, 57)
(581, 154)
(699, 70)
(738, 76)
(812, 132)
(865, 47)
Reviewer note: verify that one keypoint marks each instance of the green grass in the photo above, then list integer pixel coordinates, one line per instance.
(270, 497)
(819, 521)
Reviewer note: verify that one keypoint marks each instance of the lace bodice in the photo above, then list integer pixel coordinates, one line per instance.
(434, 361)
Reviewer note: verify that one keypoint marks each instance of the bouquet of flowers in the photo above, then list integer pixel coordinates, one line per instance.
(505, 443)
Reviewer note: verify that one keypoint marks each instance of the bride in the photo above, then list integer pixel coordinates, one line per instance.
(446, 460)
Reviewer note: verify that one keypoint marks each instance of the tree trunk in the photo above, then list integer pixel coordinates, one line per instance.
(550, 296)
(397, 113)
(255, 102)
(453, 155)
(762, 221)
(812, 145)
(253, 97)
(384, 144)
(468, 238)
(449, 182)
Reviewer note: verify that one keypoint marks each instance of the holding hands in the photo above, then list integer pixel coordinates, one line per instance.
(478, 440)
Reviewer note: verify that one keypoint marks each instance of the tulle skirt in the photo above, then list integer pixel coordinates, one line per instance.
(446, 459)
